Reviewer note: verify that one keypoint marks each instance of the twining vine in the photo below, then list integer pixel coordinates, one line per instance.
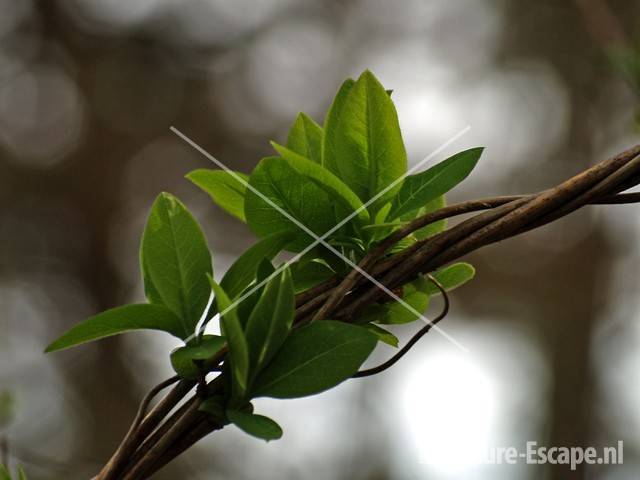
(372, 247)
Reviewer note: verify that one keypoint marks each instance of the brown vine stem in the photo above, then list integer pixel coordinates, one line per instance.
(154, 442)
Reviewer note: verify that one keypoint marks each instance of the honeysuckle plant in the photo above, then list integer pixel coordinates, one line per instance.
(348, 173)
(340, 198)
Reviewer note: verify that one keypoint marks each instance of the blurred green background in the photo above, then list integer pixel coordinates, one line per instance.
(88, 91)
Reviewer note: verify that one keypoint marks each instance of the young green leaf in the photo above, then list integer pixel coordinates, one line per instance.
(315, 358)
(452, 277)
(178, 260)
(183, 359)
(305, 138)
(329, 147)
(364, 146)
(232, 331)
(119, 320)
(383, 335)
(326, 180)
(256, 425)
(270, 320)
(244, 269)
(251, 294)
(418, 190)
(224, 188)
(415, 295)
(294, 195)
(433, 228)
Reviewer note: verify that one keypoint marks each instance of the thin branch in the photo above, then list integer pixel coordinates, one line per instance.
(415, 339)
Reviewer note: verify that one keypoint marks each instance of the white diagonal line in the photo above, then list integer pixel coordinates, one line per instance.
(321, 239)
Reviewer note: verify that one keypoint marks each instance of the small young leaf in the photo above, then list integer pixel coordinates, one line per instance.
(223, 188)
(452, 277)
(315, 358)
(119, 320)
(183, 359)
(364, 147)
(305, 138)
(256, 425)
(249, 300)
(326, 180)
(295, 197)
(232, 331)
(418, 190)
(329, 147)
(244, 269)
(433, 228)
(415, 295)
(382, 334)
(175, 252)
(270, 320)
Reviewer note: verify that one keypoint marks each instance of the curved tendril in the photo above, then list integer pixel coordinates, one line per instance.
(393, 360)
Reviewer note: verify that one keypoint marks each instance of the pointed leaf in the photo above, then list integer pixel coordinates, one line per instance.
(418, 190)
(244, 269)
(433, 228)
(270, 320)
(294, 196)
(315, 358)
(451, 277)
(383, 335)
(364, 148)
(256, 425)
(327, 181)
(227, 189)
(232, 331)
(21, 474)
(250, 296)
(305, 138)
(120, 320)
(183, 359)
(175, 252)
(329, 147)
(309, 274)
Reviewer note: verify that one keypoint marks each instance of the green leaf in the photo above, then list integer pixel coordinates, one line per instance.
(224, 188)
(329, 147)
(326, 180)
(232, 331)
(363, 143)
(244, 269)
(150, 290)
(270, 320)
(256, 425)
(383, 335)
(183, 359)
(4, 474)
(452, 277)
(418, 190)
(305, 138)
(175, 252)
(294, 195)
(309, 274)
(314, 358)
(250, 296)
(21, 474)
(433, 228)
(119, 320)
(392, 312)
